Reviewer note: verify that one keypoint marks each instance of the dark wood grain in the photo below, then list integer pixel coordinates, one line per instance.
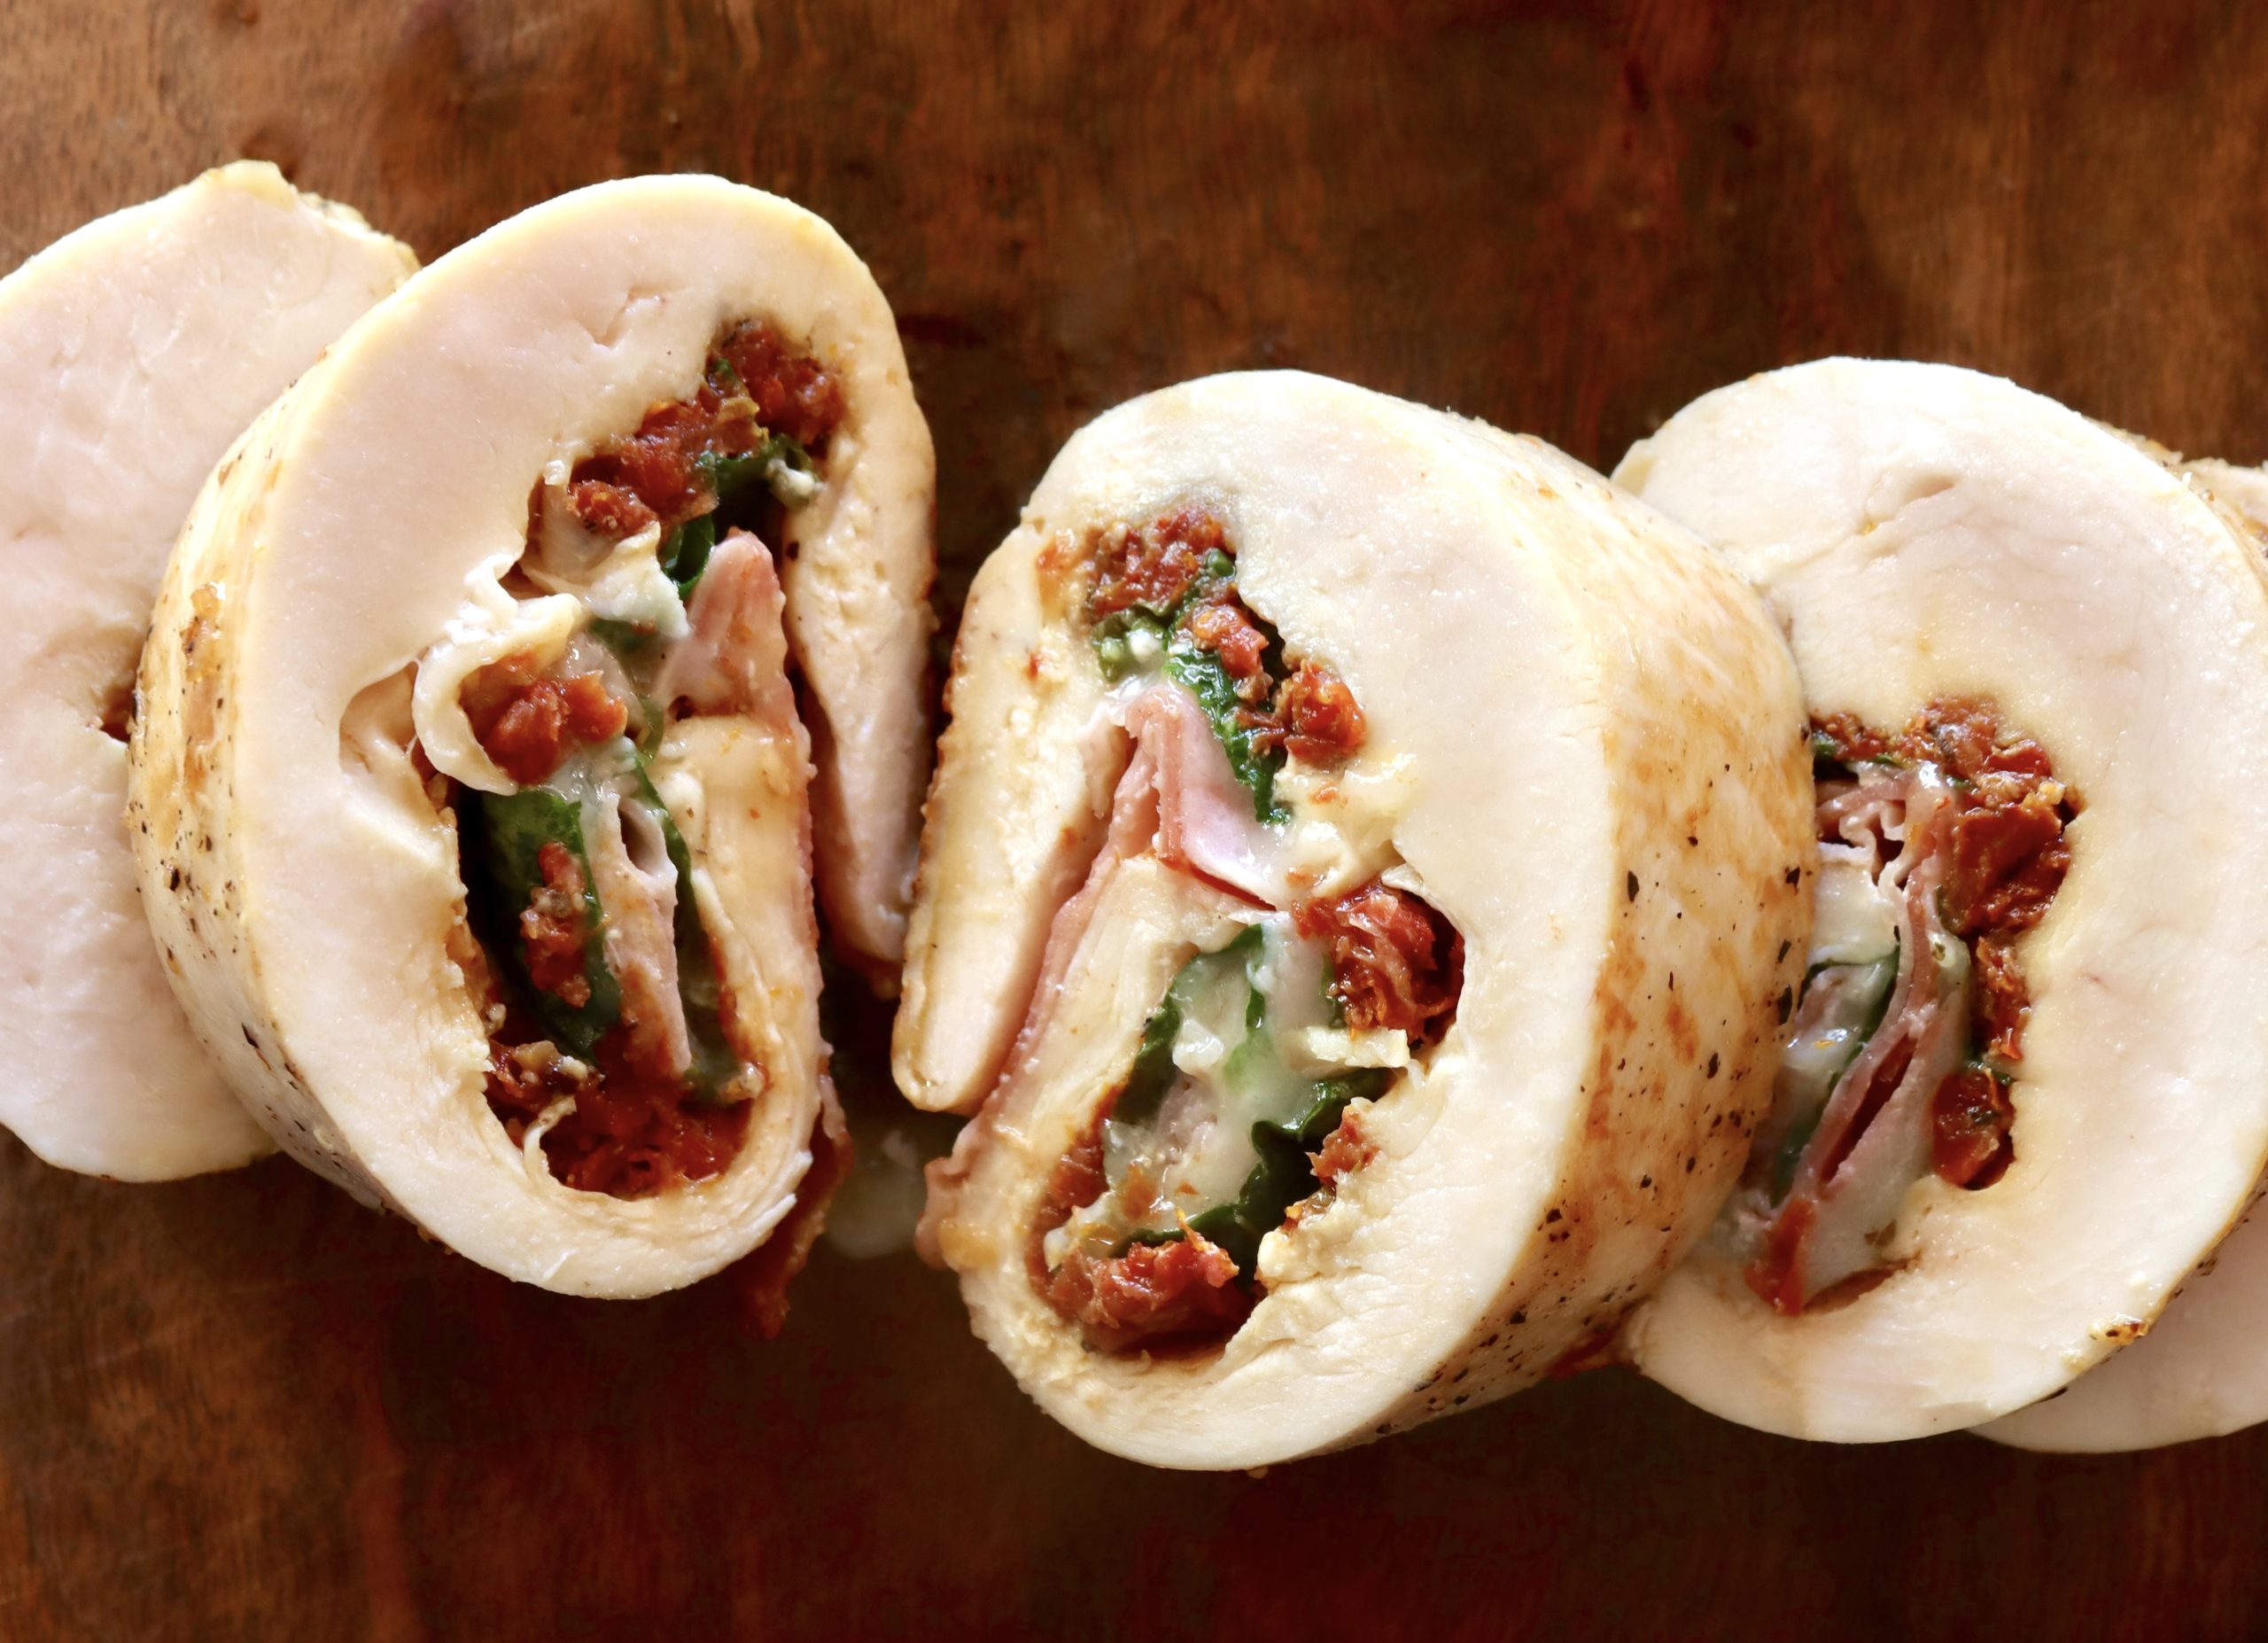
(243, 1407)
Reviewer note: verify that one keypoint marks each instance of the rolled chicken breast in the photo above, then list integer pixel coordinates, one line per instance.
(131, 353)
(2020, 1097)
(472, 799)
(2203, 1369)
(1360, 867)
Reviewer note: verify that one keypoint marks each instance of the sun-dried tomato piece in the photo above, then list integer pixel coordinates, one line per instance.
(2008, 857)
(656, 473)
(658, 464)
(1185, 1290)
(1970, 1118)
(1852, 742)
(632, 1134)
(610, 510)
(1153, 1294)
(554, 928)
(592, 713)
(526, 720)
(793, 393)
(1224, 626)
(1154, 566)
(1323, 723)
(1395, 962)
(2003, 1003)
(1346, 1151)
(1964, 737)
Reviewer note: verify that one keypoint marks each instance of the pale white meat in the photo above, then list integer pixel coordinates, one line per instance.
(2203, 1369)
(131, 353)
(1923, 533)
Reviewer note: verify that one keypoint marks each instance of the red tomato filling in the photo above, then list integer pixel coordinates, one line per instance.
(1395, 962)
(555, 930)
(1321, 722)
(528, 720)
(637, 1126)
(1151, 1295)
(1153, 567)
(656, 473)
(632, 1133)
(2001, 854)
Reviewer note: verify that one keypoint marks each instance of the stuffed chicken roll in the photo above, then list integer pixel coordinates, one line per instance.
(2020, 1096)
(131, 353)
(2202, 1370)
(1360, 869)
(472, 799)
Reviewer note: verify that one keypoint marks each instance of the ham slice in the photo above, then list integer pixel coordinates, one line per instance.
(1177, 801)
(1206, 824)
(734, 659)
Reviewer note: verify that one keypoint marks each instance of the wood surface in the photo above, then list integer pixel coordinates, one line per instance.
(242, 1407)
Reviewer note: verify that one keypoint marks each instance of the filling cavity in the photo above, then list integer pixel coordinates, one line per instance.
(1939, 846)
(645, 596)
(1245, 1108)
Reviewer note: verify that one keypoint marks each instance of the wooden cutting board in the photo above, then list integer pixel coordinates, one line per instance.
(242, 1407)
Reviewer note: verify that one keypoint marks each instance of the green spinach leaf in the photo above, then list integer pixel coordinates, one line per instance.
(1122, 637)
(1122, 640)
(513, 829)
(747, 484)
(1254, 765)
(771, 470)
(685, 555)
(1285, 1175)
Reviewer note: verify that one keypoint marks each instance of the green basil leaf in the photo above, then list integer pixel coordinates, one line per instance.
(784, 454)
(1201, 672)
(730, 474)
(746, 477)
(629, 641)
(1154, 1071)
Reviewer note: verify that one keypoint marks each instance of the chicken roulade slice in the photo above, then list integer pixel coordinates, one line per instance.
(472, 802)
(2020, 1098)
(131, 353)
(2202, 1370)
(1357, 883)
